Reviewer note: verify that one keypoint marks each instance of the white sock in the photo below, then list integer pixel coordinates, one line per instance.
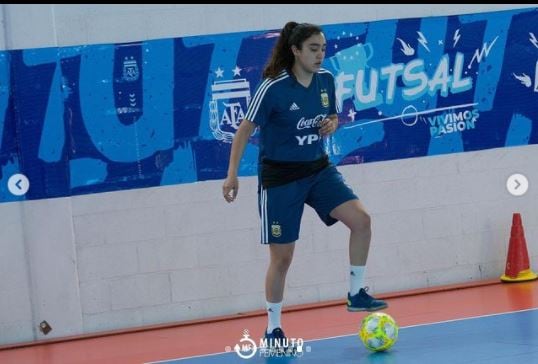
(356, 275)
(273, 315)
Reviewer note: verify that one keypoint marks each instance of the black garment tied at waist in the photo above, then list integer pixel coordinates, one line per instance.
(278, 173)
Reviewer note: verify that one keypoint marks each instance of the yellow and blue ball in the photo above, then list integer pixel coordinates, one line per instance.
(378, 331)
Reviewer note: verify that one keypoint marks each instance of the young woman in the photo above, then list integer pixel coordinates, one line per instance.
(294, 107)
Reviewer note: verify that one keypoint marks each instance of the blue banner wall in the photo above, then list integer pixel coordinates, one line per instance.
(88, 119)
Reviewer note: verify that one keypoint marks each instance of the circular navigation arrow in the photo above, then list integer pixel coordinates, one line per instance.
(18, 184)
(517, 184)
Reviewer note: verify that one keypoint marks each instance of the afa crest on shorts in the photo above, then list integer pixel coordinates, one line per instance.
(276, 231)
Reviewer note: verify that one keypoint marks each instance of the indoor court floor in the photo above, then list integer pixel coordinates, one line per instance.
(478, 322)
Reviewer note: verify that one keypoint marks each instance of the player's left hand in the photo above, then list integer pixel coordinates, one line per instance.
(328, 126)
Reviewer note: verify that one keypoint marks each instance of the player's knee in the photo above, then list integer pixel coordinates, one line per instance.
(281, 263)
(363, 222)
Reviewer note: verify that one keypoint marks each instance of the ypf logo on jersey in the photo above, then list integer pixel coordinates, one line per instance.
(227, 107)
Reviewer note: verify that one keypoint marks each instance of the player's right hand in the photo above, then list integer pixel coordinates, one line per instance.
(230, 188)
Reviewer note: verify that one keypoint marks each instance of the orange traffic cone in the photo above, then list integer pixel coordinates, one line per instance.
(517, 261)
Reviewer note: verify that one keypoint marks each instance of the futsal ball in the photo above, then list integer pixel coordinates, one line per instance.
(378, 331)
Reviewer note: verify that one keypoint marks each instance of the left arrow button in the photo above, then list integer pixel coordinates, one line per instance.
(18, 184)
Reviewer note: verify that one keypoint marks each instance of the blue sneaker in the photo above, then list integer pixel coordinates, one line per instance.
(362, 301)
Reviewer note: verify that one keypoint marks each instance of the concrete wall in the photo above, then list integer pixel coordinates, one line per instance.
(146, 256)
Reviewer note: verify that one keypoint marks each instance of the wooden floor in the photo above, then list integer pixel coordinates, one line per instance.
(307, 322)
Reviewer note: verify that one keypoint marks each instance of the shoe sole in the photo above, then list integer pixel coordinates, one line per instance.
(352, 309)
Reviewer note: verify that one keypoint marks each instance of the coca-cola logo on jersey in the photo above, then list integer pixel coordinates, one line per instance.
(314, 122)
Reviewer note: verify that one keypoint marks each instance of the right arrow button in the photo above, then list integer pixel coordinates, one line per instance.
(517, 184)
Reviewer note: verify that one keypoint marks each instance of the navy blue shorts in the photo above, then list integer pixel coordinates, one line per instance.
(281, 208)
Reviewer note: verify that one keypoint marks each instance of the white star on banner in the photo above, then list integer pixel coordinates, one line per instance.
(237, 71)
(219, 72)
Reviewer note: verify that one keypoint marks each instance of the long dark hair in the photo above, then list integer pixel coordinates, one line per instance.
(282, 57)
